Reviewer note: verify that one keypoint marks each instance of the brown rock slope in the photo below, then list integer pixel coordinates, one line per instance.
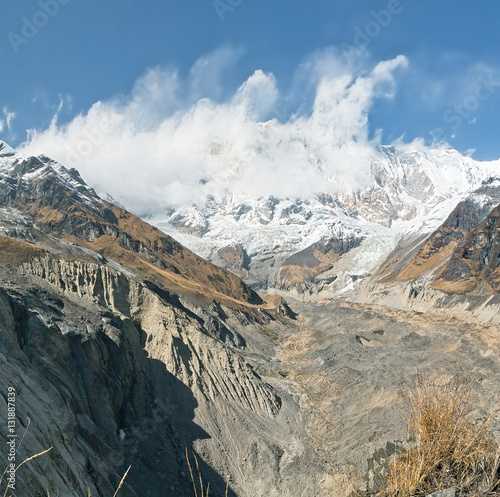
(62, 205)
(474, 265)
(301, 268)
(112, 372)
(423, 255)
(16, 252)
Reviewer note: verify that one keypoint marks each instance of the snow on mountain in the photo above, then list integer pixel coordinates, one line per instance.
(36, 174)
(328, 242)
(268, 229)
(413, 190)
(5, 149)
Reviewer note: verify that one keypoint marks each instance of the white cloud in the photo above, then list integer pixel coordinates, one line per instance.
(206, 75)
(6, 123)
(9, 117)
(175, 140)
(258, 95)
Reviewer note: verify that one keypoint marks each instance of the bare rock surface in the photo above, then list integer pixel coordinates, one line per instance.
(113, 371)
(352, 363)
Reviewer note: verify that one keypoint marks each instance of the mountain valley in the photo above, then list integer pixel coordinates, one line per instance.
(280, 363)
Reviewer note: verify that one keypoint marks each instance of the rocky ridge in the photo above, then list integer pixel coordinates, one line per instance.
(452, 270)
(64, 207)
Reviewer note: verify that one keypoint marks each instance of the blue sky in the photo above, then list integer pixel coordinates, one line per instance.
(93, 51)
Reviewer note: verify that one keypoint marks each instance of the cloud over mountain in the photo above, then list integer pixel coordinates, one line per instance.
(176, 139)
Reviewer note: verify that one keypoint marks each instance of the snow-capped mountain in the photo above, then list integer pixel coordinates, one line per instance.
(5, 149)
(43, 203)
(330, 241)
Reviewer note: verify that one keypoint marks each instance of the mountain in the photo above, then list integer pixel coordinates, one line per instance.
(415, 259)
(331, 243)
(125, 348)
(5, 150)
(61, 205)
(474, 264)
(451, 271)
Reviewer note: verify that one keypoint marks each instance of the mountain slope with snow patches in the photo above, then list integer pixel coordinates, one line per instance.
(330, 242)
(348, 233)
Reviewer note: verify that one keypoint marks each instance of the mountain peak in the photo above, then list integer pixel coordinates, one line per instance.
(5, 149)
(62, 206)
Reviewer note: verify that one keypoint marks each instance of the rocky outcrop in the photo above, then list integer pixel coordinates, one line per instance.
(115, 371)
(201, 362)
(376, 205)
(302, 270)
(97, 283)
(234, 258)
(191, 222)
(475, 265)
(80, 381)
(423, 255)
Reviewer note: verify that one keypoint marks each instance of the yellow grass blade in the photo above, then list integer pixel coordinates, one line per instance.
(24, 462)
(122, 482)
(191, 473)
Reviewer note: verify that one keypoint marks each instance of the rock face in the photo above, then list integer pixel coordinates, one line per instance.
(444, 254)
(474, 264)
(125, 348)
(233, 258)
(110, 371)
(301, 269)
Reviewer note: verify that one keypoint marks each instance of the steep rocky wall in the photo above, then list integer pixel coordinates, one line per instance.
(114, 371)
(73, 381)
(180, 342)
(98, 283)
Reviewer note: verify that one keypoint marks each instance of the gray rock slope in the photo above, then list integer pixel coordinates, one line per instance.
(114, 372)
(126, 349)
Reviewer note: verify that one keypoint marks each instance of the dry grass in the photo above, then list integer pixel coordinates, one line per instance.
(48, 493)
(16, 470)
(446, 446)
(204, 492)
(121, 482)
